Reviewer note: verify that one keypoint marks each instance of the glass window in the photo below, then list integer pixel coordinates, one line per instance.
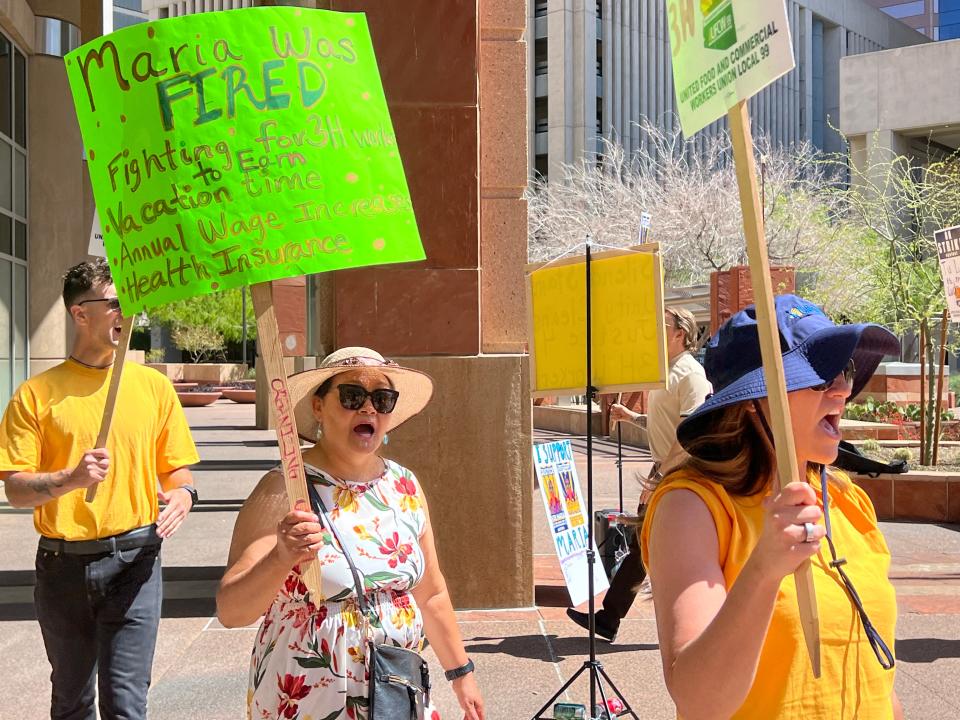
(122, 20)
(6, 312)
(949, 32)
(19, 183)
(905, 9)
(20, 98)
(20, 324)
(129, 4)
(6, 237)
(6, 96)
(20, 240)
(6, 158)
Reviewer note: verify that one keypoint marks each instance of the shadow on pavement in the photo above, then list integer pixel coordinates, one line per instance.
(188, 592)
(924, 650)
(549, 648)
(175, 608)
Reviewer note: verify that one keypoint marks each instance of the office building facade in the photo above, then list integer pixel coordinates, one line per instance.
(597, 67)
(938, 19)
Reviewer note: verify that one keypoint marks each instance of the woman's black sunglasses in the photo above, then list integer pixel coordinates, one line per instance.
(353, 397)
(849, 372)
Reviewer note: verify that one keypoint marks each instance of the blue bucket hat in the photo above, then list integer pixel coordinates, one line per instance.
(815, 351)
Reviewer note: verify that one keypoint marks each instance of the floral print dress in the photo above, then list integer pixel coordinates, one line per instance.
(308, 659)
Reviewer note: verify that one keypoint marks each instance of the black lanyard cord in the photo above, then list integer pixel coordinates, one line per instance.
(880, 648)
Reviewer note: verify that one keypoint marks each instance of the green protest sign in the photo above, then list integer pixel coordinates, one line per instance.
(725, 51)
(235, 147)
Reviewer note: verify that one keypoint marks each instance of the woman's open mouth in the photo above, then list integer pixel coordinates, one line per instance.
(364, 430)
(831, 425)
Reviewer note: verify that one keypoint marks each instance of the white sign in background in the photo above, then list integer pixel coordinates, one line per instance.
(725, 51)
(948, 250)
(96, 247)
(567, 518)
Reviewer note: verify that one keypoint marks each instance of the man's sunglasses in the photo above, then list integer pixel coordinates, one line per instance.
(849, 372)
(353, 397)
(113, 304)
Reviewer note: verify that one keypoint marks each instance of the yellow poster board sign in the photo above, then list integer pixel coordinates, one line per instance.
(629, 349)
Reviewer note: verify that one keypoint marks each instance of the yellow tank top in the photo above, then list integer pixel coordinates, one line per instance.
(852, 683)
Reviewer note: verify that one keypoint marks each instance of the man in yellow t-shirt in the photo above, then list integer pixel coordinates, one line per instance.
(98, 589)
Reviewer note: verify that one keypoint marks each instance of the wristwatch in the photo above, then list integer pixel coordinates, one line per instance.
(460, 671)
(194, 497)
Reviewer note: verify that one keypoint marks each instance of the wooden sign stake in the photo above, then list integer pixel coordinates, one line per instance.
(118, 359)
(923, 395)
(787, 470)
(938, 406)
(288, 439)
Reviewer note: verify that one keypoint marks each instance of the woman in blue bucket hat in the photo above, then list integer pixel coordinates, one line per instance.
(720, 546)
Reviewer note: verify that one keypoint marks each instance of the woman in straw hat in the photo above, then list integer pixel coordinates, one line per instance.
(309, 656)
(720, 545)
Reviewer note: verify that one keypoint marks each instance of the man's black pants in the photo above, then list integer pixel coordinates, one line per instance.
(623, 586)
(99, 616)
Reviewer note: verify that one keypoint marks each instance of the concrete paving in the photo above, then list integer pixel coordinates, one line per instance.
(523, 655)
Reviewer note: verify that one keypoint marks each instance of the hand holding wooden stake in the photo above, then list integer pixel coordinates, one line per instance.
(288, 439)
(787, 470)
(121, 355)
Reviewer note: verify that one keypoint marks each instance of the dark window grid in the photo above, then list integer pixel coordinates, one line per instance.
(14, 109)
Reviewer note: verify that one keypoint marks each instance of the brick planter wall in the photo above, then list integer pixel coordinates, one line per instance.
(923, 496)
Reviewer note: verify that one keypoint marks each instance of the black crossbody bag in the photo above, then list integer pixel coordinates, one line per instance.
(399, 678)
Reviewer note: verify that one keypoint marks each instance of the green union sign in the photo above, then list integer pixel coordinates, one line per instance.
(719, 27)
(237, 147)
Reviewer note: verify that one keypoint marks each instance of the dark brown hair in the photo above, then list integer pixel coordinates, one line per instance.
(734, 452)
(81, 278)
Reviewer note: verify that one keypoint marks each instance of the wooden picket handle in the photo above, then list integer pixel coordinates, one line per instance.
(938, 406)
(118, 359)
(288, 439)
(787, 470)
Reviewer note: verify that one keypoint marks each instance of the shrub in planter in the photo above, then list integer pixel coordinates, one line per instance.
(870, 446)
(905, 454)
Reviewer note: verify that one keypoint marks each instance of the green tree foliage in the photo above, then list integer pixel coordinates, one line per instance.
(204, 344)
(899, 201)
(220, 312)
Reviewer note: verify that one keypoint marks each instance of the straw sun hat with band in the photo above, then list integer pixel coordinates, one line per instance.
(815, 352)
(414, 387)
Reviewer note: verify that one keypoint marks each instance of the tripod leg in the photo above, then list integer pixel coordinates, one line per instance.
(560, 692)
(595, 672)
(619, 694)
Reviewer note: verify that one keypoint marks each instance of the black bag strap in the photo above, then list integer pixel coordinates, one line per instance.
(850, 458)
(321, 511)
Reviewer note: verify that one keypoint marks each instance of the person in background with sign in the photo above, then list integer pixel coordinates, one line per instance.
(309, 656)
(720, 544)
(98, 589)
(687, 387)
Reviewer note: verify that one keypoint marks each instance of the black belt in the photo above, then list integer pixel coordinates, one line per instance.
(136, 538)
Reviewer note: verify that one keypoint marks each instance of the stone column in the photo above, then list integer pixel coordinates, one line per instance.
(456, 85)
(61, 201)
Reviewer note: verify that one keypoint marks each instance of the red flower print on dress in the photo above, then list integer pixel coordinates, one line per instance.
(294, 584)
(395, 550)
(303, 613)
(293, 689)
(434, 715)
(404, 615)
(408, 493)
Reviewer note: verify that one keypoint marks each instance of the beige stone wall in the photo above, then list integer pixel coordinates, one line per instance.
(891, 100)
(471, 451)
(503, 175)
(60, 202)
